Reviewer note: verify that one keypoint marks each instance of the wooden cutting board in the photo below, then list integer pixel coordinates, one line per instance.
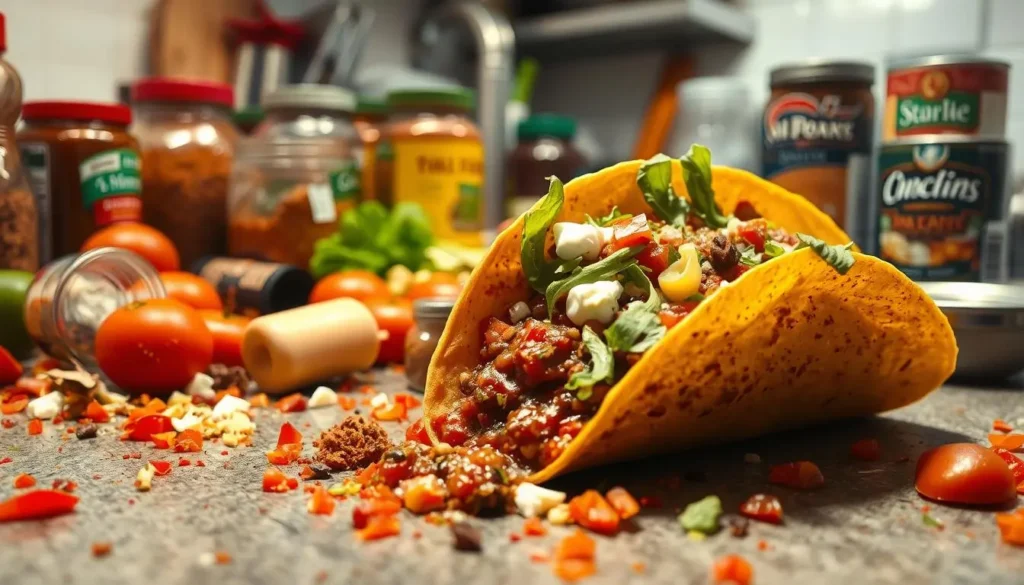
(188, 38)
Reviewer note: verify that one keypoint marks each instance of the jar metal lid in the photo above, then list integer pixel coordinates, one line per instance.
(539, 125)
(938, 60)
(449, 97)
(311, 96)
(817, 70)
(83, 111)
(369, 106)
(433, 308)
(164, 89)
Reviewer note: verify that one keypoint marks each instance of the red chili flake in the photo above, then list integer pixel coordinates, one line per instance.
(224, 452)
(291, 403)
(762, 545)
(417, 534)
(24, 480)
(1001, 426)
(162, 467)
(131, 501)
(35, 426)
(58, 419)
(65, 485)
(514, 537)
(764, 508)
(199, 463)
(1015, 464)
(639, 567)
(136, 455)
(70, 430)
(184, 462)
(534, 527)
(222, 557)
(126, 456)
(366, 510)
(37, 504)
(5, 460)
(732, 569)
(8, 423)
(800, 475)
(101, 549)
(97, 476)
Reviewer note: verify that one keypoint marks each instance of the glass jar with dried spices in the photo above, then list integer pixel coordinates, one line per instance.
(431, 315)
(296, 175)
(84, 168)
(188, 143)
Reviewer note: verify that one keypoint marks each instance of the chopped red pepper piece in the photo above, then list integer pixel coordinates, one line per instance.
(276, 481)
(380, 527)
(1008, 442)
(163, 440)
(8, 423)
(534, 527)
(1011, 527)
(591, 511)
(574, 557)
(10, 368)
(417, 432)
(289, 435)
(732, 569)
(1001, 426)
(35, 426)
(95, 412)
(261, 400)
(37, 504)
(145, 427)
(364, 510)
(101, 549)
(284, 454)
(291, 403)
(799, 475)
(1016, 466)
(24, 480)
(866, 450)
(321, 503)
(161, 467)
(655, 258)
(5, 460)
(347, 402)
(763, 507)
(623, 502)
(394, 411)
(408, 400)
(184, 462)
(13, 403)
(188, 441)
(635, 233)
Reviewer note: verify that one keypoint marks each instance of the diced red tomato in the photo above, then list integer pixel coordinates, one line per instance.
(145, 427)
(866, 450)
(289, 435)
(1016, 466)
(634, 233)
(623, 502)
(574, 557)
(13, 403)
(656, 258)
(1010, 442)
(1011, 527)
(37, 504)
(35, 427)
(274, 480)
(95, 412)
(591, 511)
(364, 510)
(407, 400)
(799, 475)
(285, 454)
(380, 527)
(292, 403)
(321, 503)
(417, 432)
(423, 494)
(161, 467)
(24, 480)
(676, 313)
(188, 441)
(754, 233)
(763, 507)
(732, 569)
(965, 473)
(10, 368)
(534, 527)
(163, 440)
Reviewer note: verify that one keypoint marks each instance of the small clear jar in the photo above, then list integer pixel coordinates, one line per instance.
(71, 296)
(295, 176)
(430, 317)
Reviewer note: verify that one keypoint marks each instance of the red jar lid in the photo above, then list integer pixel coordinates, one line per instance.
(3, 33)
(84, 111)
(162, 89)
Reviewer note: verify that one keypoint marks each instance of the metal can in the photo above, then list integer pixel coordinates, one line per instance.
(946, 95)
(942, 208)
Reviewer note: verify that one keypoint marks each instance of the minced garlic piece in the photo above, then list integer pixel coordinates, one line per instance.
(144, 480)
(560, 515)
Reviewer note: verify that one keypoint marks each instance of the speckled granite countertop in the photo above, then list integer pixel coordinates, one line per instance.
(863, 527)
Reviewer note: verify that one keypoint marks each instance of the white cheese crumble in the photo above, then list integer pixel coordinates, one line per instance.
(519, 311)
(201, 386)
(379, 401)
(46, 406)
(573, 240)
(322, 396)
(533, 500)
(598, 301)
(228, 405)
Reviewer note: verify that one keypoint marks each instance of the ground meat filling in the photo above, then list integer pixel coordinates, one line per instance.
(353, 443)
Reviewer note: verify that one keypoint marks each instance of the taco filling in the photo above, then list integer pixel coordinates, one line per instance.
(611, 290)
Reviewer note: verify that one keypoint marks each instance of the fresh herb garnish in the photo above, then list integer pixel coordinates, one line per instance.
(773, 250)
(372, 238)
(600, 368)
(637, 276)
(636, 330)
(539, 271)
(655, 181)
(702, 515)
(750, 257)
(606, 220)
(603, 269)
(932, 521)
(839, 256)
(673, 255)
(695, 297)
(697, 176)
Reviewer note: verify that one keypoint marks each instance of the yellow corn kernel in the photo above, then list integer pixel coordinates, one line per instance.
(682, 278)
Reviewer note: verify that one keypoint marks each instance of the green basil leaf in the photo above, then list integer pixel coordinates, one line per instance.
(606, 220)
(636, 330)
(773, 250)
(655, 181)
(839, 257)
(697, 177)
(603, 269)
(702, 515)
(600, 369)
(637, 276)
(539, 271)
(568, 267)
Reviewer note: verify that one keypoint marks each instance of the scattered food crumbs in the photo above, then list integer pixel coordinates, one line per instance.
(1011, 527)
(24, 480)
(5, 460)
(86, 432)
(866, 450)
(8, 423)
(224, 452)
(222, 557)
(763, 507)
(199, 463)
(931, 521)
(35, 426)
(514, 537)
(751, 458)
(539, 556)
(762, 545)
(321, 502)
(1001, 426)
(574, 557)
(639, 567)
(732, 569)
(70, 430)
(144, 479)
(184, 462)
(131, 501)
(466, 537)
(739, 526)
(97, 476)
(702, 516)
(534, 527)
(101, 549)
(353, 443)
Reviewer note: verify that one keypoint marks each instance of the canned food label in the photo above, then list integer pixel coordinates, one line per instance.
(808, 143)
(321, 203)
(345, 183)
(446, 178)
(968, 99)
(111, 183)
(937, 204)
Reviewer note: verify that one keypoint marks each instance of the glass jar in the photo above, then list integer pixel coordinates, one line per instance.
(433, 156)
(370, 117)
(19, 217)
(84, 168)
(295, 176)
(70, 298)
(430, 316)
(545, 149)
(188, 143)
(715, 112)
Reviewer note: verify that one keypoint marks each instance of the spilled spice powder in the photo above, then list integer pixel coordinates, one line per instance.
(353, 443)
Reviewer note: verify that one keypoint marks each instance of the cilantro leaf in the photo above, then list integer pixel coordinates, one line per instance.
(750, 257)
(655, 181)
(600, 369)
(603, 269)
(636, 330)
(839, 256)
(702, 515)
(638, 277)
(540, 272)
(773, 250)
(606, 220)
(697, 176)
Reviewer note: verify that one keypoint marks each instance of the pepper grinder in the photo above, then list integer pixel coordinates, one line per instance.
(19, 217)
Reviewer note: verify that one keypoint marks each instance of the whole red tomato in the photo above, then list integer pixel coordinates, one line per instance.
(148, 242)
(395, 319)
(439, 285)
(361, 285)
(192, 290)
(964, 473)
(227, 333)
(153, 346)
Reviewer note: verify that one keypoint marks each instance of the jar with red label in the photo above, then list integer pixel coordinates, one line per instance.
(84, 168)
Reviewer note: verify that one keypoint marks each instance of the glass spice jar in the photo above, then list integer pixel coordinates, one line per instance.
(71, 296)
(430, 317)
(188, 142)
(370, 117)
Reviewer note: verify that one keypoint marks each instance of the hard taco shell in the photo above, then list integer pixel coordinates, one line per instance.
(790, 343)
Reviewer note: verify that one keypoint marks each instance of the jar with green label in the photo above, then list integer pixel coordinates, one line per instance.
(295, 176)
(83, 167)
